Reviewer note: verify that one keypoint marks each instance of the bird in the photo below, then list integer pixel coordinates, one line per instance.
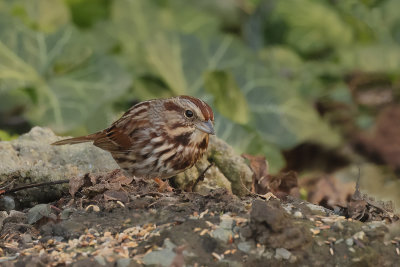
(158, 138)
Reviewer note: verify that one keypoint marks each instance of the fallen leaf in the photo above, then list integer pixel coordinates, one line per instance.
(327, 191)
(77, 182)
(259, 166)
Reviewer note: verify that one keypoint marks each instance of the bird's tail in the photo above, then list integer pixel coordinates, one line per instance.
(77, 140)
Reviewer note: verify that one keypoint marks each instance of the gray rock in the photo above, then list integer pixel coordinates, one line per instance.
(38, 212)
(31, 159)
(282, 253)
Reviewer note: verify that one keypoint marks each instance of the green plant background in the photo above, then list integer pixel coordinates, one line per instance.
(75, 65)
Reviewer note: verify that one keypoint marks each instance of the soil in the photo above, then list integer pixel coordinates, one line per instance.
(188, 229)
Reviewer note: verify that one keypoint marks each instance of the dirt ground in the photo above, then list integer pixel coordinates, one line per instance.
(139, 226)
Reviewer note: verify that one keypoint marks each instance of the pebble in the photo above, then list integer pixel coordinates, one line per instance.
(7, 203)
(338, 225)
(226, 222)
(376, 224)
(288, 208)
(93, 232)
(224, 230)
(100, 260)
(316, 207)
(244, 246)
(58, 238)
(282, 253)
(339, 241)
(268, 255)
(349, 242)
(298, 214)
(222, 234)
(359, 235)
(162, 257)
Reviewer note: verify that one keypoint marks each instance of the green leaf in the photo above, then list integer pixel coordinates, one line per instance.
(85, 13)
(227, 94)
(70, 83)
(42, 15)
(246, 140)
(280, 114)
(312, 26)
(4, 136)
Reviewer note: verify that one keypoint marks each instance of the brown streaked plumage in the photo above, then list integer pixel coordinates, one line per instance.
(156, 138)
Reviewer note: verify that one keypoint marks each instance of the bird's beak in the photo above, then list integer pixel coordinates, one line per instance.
(206, 126)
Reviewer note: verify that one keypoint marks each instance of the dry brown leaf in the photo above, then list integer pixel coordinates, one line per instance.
(280, 185)
(327, 191)
(259, 166)
(77, 182)
(284, 184)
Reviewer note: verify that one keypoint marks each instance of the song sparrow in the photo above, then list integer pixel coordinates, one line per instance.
(156, 138)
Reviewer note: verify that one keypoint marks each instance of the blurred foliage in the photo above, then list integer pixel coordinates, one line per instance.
(4, 136)
(74, 65)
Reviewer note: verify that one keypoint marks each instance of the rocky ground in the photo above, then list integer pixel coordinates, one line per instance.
(103, 218)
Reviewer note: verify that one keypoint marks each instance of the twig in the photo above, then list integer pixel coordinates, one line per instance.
(357, 193)
(12, 190)
(201, 176)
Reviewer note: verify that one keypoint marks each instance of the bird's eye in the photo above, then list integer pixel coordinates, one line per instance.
(189, 113)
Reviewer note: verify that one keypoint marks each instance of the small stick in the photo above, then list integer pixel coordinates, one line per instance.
(357, 193)
(12, 190)
(201, 176)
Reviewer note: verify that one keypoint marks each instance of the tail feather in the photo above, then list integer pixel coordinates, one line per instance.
(77, 140)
